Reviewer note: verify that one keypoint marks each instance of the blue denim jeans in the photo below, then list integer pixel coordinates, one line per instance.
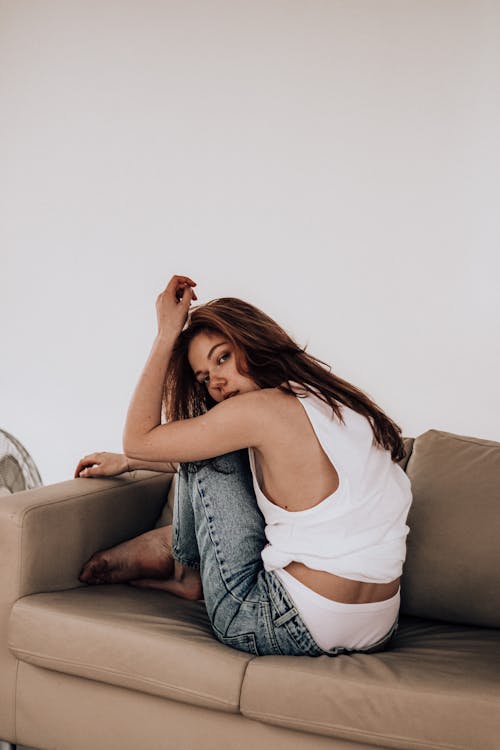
(219, 529)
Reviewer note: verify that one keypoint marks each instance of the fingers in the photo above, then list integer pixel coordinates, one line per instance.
(187, 295)
(179, 284)
(81, 466)
(178, 279)
(182, 296)
(84, 468)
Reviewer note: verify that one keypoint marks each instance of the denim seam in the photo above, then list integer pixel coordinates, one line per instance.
(266, 616)
(241, 639)
(282, 619)
(184, 561)
(210, 527)
(312, 647)
(179, 556)
(221, 562)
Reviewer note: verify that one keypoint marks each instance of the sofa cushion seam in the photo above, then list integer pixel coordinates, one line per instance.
(108, 670)
(16, 688)
(364, 734)
(396, 688)
(243, 678)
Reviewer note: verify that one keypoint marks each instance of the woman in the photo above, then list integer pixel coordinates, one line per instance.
(295, 533)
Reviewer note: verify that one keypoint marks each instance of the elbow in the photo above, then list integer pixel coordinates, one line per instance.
(127, 443)
(148, 446)
(129, 449)
(132, 446)
(139, 447)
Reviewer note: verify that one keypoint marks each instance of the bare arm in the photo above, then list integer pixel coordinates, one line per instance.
(228, 426)
(144, 413)
(105, 464)
(166, 466)
(231, 425)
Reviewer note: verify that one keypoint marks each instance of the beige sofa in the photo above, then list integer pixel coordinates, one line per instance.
(116, 667)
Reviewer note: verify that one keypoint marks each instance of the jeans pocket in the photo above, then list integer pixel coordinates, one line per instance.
(243, 642)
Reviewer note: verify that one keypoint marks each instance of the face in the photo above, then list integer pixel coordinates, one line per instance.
(213, 361)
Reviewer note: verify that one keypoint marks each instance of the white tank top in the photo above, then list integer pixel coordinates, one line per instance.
(359, 532)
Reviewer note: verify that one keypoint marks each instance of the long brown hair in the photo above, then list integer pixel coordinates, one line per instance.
(267, 354)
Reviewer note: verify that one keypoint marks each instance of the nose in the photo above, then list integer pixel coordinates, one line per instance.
(217, 381)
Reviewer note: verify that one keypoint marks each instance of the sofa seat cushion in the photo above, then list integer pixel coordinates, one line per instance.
(437, 687)
(140, 639)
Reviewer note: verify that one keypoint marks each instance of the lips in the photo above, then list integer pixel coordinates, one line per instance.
(229, 395)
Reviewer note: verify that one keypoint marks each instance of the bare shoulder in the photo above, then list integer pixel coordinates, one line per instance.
(265, 401)
(265, 413)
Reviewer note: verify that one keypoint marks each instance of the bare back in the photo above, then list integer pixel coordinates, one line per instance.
(295, 473)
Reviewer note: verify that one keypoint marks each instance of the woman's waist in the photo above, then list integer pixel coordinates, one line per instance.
(341, 570)
(340, 589)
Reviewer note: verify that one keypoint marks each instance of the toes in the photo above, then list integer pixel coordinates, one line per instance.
(95, 571)
(85, 573)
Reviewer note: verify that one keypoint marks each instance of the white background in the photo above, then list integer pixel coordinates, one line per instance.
(335, 163)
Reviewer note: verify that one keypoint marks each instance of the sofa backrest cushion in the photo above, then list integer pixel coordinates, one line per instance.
(452, 569)
(408, 446)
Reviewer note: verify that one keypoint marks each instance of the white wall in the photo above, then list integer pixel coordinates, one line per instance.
(335, 163)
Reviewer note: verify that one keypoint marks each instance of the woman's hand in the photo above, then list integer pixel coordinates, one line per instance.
(102, 465)
(172, 305)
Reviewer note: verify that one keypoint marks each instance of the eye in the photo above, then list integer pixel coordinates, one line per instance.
(223, 358)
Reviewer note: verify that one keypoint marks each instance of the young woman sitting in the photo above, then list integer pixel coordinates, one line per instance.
(290, 508)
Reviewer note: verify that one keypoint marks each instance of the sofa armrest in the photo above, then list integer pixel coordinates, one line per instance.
(48, 533)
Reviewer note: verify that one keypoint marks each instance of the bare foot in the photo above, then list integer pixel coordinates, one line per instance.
(147, 556)
(185, 583)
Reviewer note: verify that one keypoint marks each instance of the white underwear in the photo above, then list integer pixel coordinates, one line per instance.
(333, 624)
